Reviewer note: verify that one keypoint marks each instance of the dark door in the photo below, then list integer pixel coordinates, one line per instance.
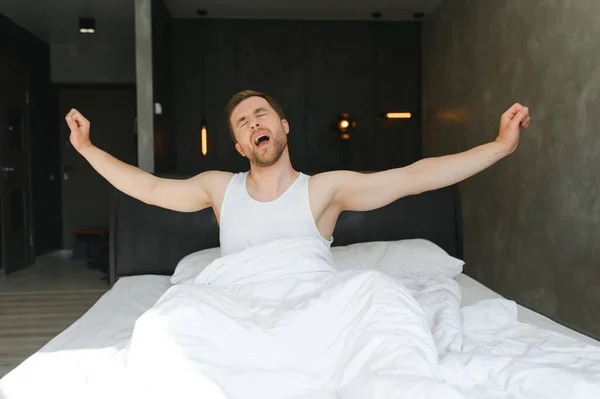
(85, 193)
(14, 177)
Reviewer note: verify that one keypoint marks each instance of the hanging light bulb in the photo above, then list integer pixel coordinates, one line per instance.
(344, 125)
(203, 138)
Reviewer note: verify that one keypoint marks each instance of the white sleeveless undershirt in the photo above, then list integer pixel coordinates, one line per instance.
(245, 222)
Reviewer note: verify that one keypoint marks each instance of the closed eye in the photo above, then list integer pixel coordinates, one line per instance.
(261, 111)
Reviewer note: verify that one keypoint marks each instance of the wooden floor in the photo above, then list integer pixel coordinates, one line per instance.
(39, 302)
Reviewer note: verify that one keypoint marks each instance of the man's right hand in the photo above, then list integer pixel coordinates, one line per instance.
(80, 130)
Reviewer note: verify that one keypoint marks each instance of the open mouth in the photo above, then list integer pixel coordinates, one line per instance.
(261, 140)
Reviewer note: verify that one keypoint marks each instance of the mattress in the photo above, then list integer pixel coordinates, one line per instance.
(103, 332)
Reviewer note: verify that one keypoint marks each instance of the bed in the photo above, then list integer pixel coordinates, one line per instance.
(89, 358)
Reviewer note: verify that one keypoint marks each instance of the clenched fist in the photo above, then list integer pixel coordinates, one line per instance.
(80, 130)
(511, 122)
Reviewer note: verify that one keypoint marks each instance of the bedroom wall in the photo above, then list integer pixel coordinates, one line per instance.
(531, 222)
(317, 70)
(105, 63)
(32, 53)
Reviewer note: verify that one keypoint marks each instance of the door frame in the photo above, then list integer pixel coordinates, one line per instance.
(27, 183)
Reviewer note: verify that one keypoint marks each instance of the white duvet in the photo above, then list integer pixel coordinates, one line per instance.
(280, 321)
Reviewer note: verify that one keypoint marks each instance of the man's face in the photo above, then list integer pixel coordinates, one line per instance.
(260, 133)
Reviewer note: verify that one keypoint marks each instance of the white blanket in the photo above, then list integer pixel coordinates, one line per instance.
(280, 321)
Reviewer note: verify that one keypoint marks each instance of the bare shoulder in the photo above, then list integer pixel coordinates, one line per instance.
(213, 175)
(325, 186)
(324, 193)
(332, 178)
(214, 182)
(190, 194)
(330, 182)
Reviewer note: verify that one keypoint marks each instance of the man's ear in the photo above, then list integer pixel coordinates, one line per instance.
(238, 147)
(286, 125)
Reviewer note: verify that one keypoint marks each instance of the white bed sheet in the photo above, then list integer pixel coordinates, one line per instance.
(88, 343)
(473, 291)
(103, 331)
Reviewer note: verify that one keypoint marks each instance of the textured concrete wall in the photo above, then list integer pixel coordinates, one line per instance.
(162, 59)
(532, 221)
(144, 82)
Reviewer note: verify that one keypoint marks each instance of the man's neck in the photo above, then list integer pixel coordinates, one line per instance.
(272, 180)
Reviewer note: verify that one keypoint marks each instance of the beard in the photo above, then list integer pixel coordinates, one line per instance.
(269, 155)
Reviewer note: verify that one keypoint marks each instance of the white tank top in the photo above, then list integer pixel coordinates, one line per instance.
(245, 222)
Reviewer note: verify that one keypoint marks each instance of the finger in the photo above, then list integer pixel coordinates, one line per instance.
(72, 123)
(526, 122)
(521, 116)
(76, 115)
(71, 113)
(512, 111)
(80, 120)
(80, 117)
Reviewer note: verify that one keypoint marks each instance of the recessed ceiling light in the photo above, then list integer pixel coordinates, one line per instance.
(87, 25)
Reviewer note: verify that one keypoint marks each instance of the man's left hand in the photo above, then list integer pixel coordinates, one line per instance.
(511, 123)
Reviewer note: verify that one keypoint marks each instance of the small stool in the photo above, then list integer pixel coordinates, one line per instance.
(90, 237)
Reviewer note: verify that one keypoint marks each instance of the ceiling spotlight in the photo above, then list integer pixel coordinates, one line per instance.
(87, 25)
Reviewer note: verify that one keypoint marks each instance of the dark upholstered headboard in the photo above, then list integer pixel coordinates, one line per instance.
(146, 239)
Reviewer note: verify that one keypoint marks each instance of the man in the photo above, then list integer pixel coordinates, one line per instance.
(273, 200)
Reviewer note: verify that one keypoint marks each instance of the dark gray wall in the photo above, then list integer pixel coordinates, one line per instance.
(80, 62)
(34, 55)
(105, 57)
(317, 70)
(531, 222)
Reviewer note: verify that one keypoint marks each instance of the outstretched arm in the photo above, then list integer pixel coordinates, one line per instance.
(361, 192)
(184, 195)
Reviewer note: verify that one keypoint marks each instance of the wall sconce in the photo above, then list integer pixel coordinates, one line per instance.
(344, 125)
(396, 115)
(203, 138)
(87, 25)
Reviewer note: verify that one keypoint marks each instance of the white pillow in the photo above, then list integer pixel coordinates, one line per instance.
(190, 266)
(402, 259)
(408, 258)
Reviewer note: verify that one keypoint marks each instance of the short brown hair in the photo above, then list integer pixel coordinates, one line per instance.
(243, 95)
